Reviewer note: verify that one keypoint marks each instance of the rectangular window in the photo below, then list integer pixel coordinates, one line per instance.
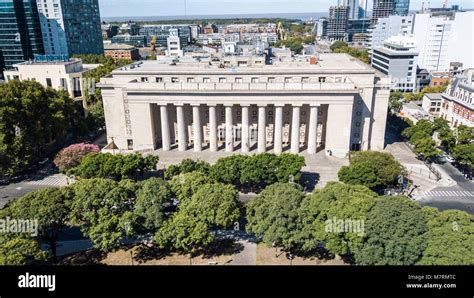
(206, 80)
(254, 80)
(322, 79)
(49, 83)
(238, 80)
(130, 144)
(191, 80)
(288, 80)
(144, 79)
(174, 80)
(159, 80)
(222, 80)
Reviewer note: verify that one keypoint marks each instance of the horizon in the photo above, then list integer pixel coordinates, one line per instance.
(173, 8)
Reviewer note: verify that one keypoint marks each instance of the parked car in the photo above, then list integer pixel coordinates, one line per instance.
(448, 158)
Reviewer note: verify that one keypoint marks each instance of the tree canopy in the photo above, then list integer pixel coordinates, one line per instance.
(32, 118)
(372, 169)
(104, 209)
(395, 233)
(273, 215)
(114, 166)
(152, 198)
(450, 238)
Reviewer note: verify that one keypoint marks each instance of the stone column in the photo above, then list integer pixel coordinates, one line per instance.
(313, 130)
(165, 128)
(212, 129)
(197, 129)
(182, 142)
(262, 129)
(245, 130)
(229, 130)
(295, 130)
(278, 131)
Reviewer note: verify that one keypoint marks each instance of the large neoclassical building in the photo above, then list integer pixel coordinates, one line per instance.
(241, 104)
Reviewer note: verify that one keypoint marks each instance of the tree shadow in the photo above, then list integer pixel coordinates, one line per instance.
(87, 257)
(145, 253)
(309, 180)
(222, 247)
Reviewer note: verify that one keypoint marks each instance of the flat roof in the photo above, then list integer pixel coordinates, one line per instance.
(436, 96)
(118, 46)
(326, 62)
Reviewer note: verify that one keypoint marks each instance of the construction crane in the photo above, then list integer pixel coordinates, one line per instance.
(153, 43)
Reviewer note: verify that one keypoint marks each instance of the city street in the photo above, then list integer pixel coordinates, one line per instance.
(460, 196)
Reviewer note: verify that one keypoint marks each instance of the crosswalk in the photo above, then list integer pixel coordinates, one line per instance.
(450, 194)
(51, 181)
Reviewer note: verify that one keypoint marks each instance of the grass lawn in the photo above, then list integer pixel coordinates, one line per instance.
(266, 256)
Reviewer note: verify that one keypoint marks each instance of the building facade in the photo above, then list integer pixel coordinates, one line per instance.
(432, 103)
(121, 51)
(398, 59)
(458, 100)
(336, 105)
(385, 8)
(71, 27)
(387, 27)
(66, 74)
(20, 30)
(439, 36)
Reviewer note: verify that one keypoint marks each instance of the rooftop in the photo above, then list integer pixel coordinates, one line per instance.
(118, 46)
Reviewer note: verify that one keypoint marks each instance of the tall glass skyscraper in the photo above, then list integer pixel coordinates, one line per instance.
(71, 27)
(385, 8)
(20, 32)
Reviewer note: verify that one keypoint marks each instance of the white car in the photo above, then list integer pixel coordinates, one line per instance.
(448, 158)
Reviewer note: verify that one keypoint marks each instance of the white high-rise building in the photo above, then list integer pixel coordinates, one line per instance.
(442, 39)
(52, 26)
(387, 27)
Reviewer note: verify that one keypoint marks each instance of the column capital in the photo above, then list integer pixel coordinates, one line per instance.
(195, 104)
(315, 105)
(228, 105)
(262, 105)
(245, 105)
(279, 105)
(297, 105)
(211, 105)
(178, 104)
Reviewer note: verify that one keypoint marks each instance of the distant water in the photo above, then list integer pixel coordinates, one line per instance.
(299, 16)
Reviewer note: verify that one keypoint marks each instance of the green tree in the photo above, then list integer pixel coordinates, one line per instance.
(320, 217)
(464, 154)
(450, 238)
(32, 118)
(228, 170)
(48, 207)
(217, 205)
(104, 209)
(273, 215)
(152, 199)
(289, 166)
(426, 147)
(396, 101)
(372, 169)
(20, 251)
(185, 185)
(395, 233)
(338, 45)
(184, 233)
(464, 134)
(116, 167)
(187, 166)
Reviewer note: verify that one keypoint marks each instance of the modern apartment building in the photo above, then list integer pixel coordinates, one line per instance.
(385, 8)
(443, 38)
(354, 9)
(20, 32)
(397, 59)
(71, 27)
(162, 32)
(338, 22)
(387, 27)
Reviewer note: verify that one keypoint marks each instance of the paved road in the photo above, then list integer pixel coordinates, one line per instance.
(459, 196)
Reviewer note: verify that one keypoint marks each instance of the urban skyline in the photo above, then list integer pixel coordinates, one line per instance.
(119, 8)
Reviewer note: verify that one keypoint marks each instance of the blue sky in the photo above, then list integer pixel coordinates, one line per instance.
(116, 8)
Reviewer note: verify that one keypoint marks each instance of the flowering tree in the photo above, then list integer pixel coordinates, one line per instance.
(72, 156)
